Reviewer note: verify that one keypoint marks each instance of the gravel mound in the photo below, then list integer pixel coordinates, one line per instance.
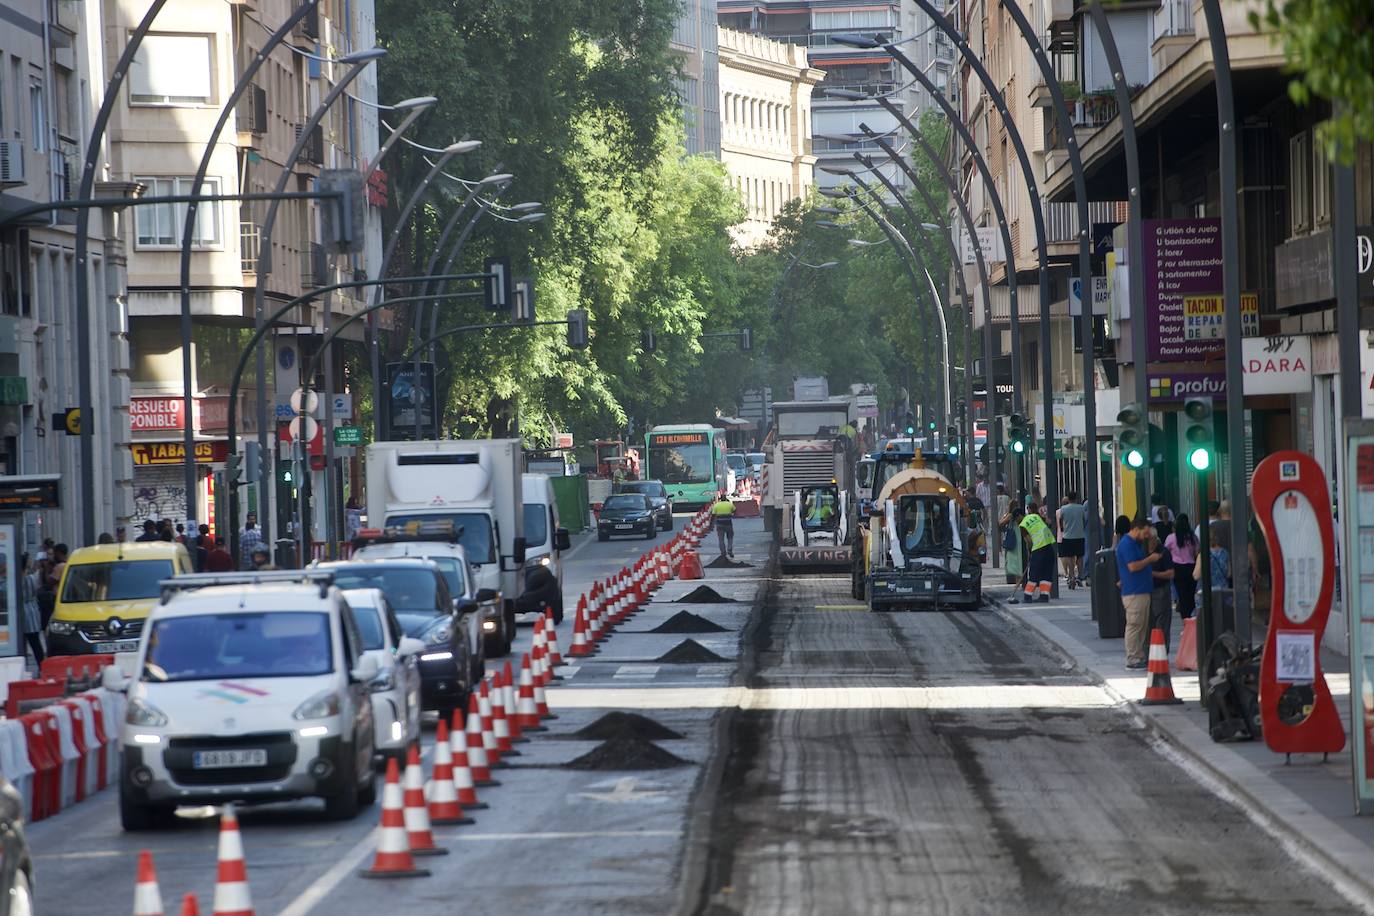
(615, 725)
(626, 753)
(687, 622)
(689, 652)
(703, 594)
(727, 563)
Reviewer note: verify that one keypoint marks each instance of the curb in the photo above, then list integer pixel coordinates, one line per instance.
(1350, 861)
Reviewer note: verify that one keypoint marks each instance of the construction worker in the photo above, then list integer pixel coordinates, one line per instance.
(723, 518)
(1040, 570)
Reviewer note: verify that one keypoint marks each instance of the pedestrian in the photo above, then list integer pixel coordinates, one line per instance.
(200, 550)
(1123, 529)
(353, 517)
(1164, 524)
(1133, 565)
(260, 560)
(1003, 501)
(1182, 546)
(983, 491)
(1161, 589)
(149, 532)
(59, 564)
(181, 533)
(33, 614)
(1039, 538)
(1014, 558)
(46, 591)
(164, 531)
(722, 517)
(105, 538)
(1073, 518)
(1219, 559)
(1213, 517)
(1156, 503)
(249, 539)
(217, 559)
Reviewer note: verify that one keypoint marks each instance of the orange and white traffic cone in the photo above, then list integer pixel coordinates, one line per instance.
(541, 704)
(500, 722)
(418, 833)
(442, 796)
(509, 695)
(527, 712)
(147, 895)
(594, 618)
(581, 645)
(231, 885)
(393, 858)
(537, 653)
(551, 637)
(462, 773)
(484, 713)
(190, 906)
(477, 751)
(1159, 687)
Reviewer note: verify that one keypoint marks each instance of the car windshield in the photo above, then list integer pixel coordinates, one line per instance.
(231, 646)
(476, 528)
(736, 462)
(685, 463)
(924, 524)
(409, 589)
(757, 459)
(121, 580)
(629, 501)
(650, 488)
(536, 525)
(370, 625)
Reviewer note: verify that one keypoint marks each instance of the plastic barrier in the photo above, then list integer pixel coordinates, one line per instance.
(24, 692)
(14, 757)
(112, 713)
(82, 738)
(71, 758)
(82, 671)
(46, 763)
(101, 772)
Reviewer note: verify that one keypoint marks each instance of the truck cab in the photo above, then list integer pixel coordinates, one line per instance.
(545, 537)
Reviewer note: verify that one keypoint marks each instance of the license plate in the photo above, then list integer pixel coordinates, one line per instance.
(214, 760)
(119, 645)
(623, 527)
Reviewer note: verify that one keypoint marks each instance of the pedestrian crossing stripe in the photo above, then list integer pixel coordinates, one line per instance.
(841, 607)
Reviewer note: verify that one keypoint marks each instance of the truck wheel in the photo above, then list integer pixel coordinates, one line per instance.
(134, 817)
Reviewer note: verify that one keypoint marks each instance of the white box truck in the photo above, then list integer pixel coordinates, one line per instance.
(476, 485)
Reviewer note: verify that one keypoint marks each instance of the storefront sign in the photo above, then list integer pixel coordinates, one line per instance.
(14, 390)
(151, 415)
(1102, 296)
(1180, 386)
(1277, 365)
(1182, 259)
(155, 453)
(1204, 316)
(989, 239)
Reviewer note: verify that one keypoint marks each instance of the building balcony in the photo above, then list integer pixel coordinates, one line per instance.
(251, 118)
(1061, 222)
(250, 244)
(314, 267)
(822, 92)
(1087, 113)
(313, 153)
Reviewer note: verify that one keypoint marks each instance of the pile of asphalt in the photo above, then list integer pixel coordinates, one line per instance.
(626, 753)
(702, 594)
(689, 652)
(687, 622)
(724, 562)
(614, 725)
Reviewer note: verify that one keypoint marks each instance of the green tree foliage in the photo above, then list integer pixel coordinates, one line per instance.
(1330, 47)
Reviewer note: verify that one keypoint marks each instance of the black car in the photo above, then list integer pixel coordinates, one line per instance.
(659, 500)
(16, 867)
(626, 513)
(454, 659)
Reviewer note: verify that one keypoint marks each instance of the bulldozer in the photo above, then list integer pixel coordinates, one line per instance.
(818, 529)
(923, 546)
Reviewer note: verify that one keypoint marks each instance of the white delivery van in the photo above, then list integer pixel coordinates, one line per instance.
(545, 536)
(472, 483)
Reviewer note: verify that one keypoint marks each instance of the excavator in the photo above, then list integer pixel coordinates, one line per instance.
(923, 545)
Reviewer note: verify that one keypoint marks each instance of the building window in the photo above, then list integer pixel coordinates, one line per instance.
(38, 111)
(160, 225)
(1300, 182)
(171, 70)
(1321, 186)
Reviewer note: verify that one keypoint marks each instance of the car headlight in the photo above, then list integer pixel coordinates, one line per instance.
(385, 680)
(141, 712)
(61, 627)
(320, 706)
(439, 635)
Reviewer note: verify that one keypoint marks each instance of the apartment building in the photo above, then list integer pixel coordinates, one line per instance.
(49, 51)
(694, 40)
(813, 25)
(765, 104)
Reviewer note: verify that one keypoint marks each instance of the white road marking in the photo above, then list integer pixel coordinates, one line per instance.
(636, 671)
(972, 696)
(625, 790)
(552, 835)
(316, 892)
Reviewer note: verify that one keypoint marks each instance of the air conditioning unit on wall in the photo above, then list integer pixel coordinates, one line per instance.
(11, 163)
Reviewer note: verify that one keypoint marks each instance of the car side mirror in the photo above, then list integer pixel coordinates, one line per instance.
(517, 551)
(409, 646)
(464, 606)
(561, 539)
(485, 594)
(111, 678)
(365, 670)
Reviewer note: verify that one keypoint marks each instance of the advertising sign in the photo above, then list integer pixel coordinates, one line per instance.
(11, 624)
(1102, 296)
(989, 239)
(406, 398)
(1277, 365)
(1203, 316)
(1182, 259)
(167, 414)
(1357, 517)
(159, 453)
(1291, 502)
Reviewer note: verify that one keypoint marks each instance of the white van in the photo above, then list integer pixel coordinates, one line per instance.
(545, 536)
(249, 687)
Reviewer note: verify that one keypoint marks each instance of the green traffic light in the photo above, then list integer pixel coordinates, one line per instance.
(911, 430)
(954, 451)
(1018, 446)
(1200, 459)
(1135, 458)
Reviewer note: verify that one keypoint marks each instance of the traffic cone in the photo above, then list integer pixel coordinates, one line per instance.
(231, 885)
(190, 906)
(147, 895)
(537, 653)
(484, 714)
(581, 645)
(418, 833)
(443, 796)
(690, 568)
(527, 713)
(500, 722)
(393, 858)
(1159, 688)
(594, 620)
(477, 752)
(509, 696)
(541, 705)
(551, 636)
(462, 773)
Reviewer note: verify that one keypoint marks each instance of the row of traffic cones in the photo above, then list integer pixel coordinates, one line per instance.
(231, 883)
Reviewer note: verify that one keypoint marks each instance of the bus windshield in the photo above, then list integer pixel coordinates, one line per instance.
(689, 463)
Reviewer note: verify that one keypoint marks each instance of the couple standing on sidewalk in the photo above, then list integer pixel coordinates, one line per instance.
(1146, 570)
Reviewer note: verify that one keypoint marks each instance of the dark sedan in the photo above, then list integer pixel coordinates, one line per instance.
(626, 513)
(659, 500)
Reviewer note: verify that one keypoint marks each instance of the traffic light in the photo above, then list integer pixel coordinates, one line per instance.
(578, 337)
(252, 461)
(910, 424)
(952, 440)
(1198, 433)
(648, 342)
(746, 339)
(231, 468)
(1132, 436)
(1021, 434)
(287, 471)
(343, 220)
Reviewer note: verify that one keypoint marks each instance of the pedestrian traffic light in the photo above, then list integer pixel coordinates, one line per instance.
(1132, 436)
(578, 337)
(1021, 434)
(1198, 433)
(285, 468)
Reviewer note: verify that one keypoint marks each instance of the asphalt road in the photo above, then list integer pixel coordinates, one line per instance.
(949, 763)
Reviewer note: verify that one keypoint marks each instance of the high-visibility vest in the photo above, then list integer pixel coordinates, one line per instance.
(723, 508)
(1039, 532)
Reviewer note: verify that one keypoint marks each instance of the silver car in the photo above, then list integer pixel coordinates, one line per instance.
(395, 690)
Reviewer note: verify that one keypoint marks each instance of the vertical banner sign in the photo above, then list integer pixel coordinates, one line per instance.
(1357, 518)
(1182, 276)
(1291, 503)
(11, 614)
(402, 402)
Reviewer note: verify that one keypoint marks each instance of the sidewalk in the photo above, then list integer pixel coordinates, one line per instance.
(1309, 801)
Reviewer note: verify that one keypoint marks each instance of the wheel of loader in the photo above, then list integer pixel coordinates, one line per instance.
(856, 573)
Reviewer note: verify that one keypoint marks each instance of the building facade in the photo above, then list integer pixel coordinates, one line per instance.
(694, 40)
(765, 105)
